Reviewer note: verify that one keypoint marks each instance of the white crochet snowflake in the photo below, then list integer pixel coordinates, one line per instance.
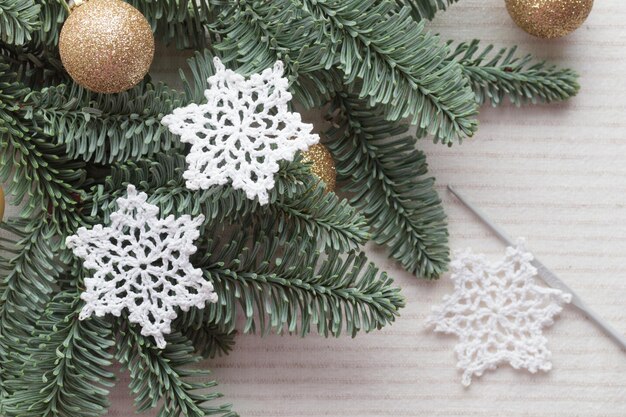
(142, 264)
(242, 131)
(498, 312)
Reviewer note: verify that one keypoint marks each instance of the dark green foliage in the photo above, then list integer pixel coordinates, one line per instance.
(302, 207)
(30, 163)
(104, 128)
(289, 287)
(28, 274)
(201, 68)
(318, 216)
(183, 22)
(36, 66)
(379, 42)
(368, 41)
(52, 15)
(162, 178)
(292, 266)
(12, 94)
(67, 370)
(18, 20)
(31, 167)
(257, 33)
(426, 9)
(387, 179)
(209, 340)
(166, 376)
(522, 80)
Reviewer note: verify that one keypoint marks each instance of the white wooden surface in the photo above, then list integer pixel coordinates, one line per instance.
(553, 174)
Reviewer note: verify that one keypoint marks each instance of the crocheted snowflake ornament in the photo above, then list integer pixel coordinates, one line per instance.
(242, 131)
(142, 264)
(498, 312)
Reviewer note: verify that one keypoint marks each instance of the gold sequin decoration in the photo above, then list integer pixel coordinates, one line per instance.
(549, 18)
(106, 46)
(322, 165)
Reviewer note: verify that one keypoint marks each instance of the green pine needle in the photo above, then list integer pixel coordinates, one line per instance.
(387, 179)
(167, 378)
(426, 9)
(521, 79)
(286, 287)
(67, 370)
(208, 339)
(18, 20)
(104, 128)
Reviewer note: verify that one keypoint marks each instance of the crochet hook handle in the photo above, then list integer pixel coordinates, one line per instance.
(548, 276)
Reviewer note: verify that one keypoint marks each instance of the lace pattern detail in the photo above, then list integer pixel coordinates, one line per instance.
(242, 131)
(498, 312)
(141, 263)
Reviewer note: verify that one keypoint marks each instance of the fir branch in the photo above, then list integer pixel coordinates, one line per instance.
(184, 22)
(52, 16)
(201, 68)
(315, 215)
(66, 370)
(387, 179)
(521, 79)
(257, 33)
(11, 94)
(426, 9)
(104, 128)
(311, 89)
(35, 66)
(411, 78)
(29, 268)
(245, 23)
(208, 339)
(32, 165)
(287, 287)
(393, 62)
(166, 375)
(43, 173)
(18, 20)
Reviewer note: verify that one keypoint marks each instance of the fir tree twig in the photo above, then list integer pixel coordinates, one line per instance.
(18, 20)
(285, 287)
(521, 79)
(426, 9)
(67, 370)
(167, 375)
(391, 61)
(386, 177)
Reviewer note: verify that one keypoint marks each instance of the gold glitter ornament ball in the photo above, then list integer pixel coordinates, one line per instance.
(549, 18)
(322, 165)
(106, 46)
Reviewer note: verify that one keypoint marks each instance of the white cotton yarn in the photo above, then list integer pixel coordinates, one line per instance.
(242, 131)
(141, 264)
(498, 312)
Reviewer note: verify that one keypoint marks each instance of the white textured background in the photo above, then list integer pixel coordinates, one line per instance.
(554, 174)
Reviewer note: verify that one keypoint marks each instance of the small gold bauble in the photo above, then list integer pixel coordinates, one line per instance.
(106, 46)
(549, 18)
(322, 165)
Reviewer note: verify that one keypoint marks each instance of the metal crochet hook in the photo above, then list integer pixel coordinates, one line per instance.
(548, 276)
